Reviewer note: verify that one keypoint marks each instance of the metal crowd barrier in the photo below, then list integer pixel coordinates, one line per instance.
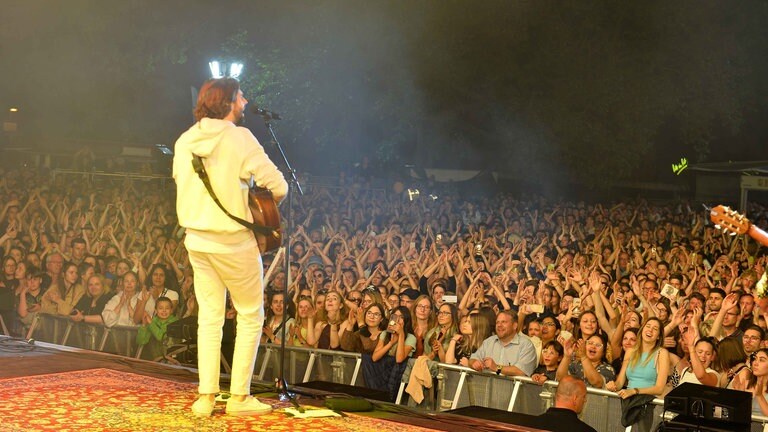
(3, 327)
(92, 176)
(309, 364)
(62, 330)
(456, 387)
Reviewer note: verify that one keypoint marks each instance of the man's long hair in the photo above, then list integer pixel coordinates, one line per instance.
(215, 98)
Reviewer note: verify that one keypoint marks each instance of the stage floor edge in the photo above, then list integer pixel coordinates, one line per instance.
(18, 358)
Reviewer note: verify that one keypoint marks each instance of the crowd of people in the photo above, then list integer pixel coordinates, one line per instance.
(633, 297)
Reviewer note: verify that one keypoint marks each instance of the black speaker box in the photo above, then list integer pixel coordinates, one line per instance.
(184, 329)
(718, 407)
(690, 424)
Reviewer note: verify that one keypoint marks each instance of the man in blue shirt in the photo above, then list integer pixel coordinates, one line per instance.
(508, 352)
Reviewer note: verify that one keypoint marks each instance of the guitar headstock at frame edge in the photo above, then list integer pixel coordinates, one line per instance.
(734, 223)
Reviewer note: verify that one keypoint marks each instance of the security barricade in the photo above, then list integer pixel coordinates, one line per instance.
(93, 177)
(119, 340)
(456, 386)
(308, 364)
(49, 328)
(62, 330)
(84, 335)
(3, 327)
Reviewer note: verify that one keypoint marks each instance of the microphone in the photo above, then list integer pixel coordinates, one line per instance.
(268, 115)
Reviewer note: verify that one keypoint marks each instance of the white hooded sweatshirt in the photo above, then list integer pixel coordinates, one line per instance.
(232, 157)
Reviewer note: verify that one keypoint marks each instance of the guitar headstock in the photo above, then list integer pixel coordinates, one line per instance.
(729, 220)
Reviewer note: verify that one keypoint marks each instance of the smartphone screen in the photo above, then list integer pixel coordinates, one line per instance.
(452, 299)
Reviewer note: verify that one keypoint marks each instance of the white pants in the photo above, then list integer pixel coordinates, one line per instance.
(241, 274)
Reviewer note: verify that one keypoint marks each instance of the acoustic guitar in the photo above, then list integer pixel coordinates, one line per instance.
(265, 215)
(735, 223)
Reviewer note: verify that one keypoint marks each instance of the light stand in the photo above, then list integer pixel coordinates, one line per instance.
(281, 384)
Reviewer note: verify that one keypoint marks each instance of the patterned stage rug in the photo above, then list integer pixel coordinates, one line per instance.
(106, 400)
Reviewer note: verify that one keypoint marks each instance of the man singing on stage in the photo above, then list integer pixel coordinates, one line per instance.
(224, 254)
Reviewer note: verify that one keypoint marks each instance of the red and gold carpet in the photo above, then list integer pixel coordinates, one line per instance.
(107, 400)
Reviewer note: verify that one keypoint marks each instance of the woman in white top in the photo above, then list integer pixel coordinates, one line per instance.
(120, 310)
(702, 354)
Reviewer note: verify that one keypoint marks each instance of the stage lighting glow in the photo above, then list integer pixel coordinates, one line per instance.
(218, 70)
(235, 69)
(215, 69)
(14, 110)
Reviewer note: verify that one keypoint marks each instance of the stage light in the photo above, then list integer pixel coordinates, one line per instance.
(14, 110)
(215, 69)
(218, 70)
(235, 69)
(413, 194)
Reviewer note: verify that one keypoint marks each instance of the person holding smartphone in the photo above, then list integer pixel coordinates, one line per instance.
(384, 368)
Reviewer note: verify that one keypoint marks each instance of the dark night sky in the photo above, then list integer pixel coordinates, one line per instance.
(540, 85)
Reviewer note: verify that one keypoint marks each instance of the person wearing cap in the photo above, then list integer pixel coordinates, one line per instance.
(314, 261)
(407, 297)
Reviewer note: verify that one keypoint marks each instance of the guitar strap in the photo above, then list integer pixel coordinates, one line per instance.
(197, 164)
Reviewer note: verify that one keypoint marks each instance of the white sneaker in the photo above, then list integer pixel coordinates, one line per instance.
(203, 407)
(250, 406)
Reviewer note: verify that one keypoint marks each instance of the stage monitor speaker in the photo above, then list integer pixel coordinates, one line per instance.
(724, 406)
(321, 388)
(184, 329)
(689, 424)
(496, 415)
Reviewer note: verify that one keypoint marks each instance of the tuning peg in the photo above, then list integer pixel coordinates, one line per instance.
(732, 234)
(717, 226)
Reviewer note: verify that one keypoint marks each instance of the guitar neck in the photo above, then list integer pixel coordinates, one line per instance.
(759, 235)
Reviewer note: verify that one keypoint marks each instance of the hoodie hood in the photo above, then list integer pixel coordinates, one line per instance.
(204, 136)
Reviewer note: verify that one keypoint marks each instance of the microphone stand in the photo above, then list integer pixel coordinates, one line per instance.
(281, 384)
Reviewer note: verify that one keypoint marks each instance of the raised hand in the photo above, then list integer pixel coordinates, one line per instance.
(580, 350)
(730, 301)
(696, 318)
(11, 232)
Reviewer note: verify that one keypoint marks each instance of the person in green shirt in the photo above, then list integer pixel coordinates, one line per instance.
(155, 330)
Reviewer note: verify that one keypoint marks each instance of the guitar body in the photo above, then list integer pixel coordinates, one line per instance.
(265, 212)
